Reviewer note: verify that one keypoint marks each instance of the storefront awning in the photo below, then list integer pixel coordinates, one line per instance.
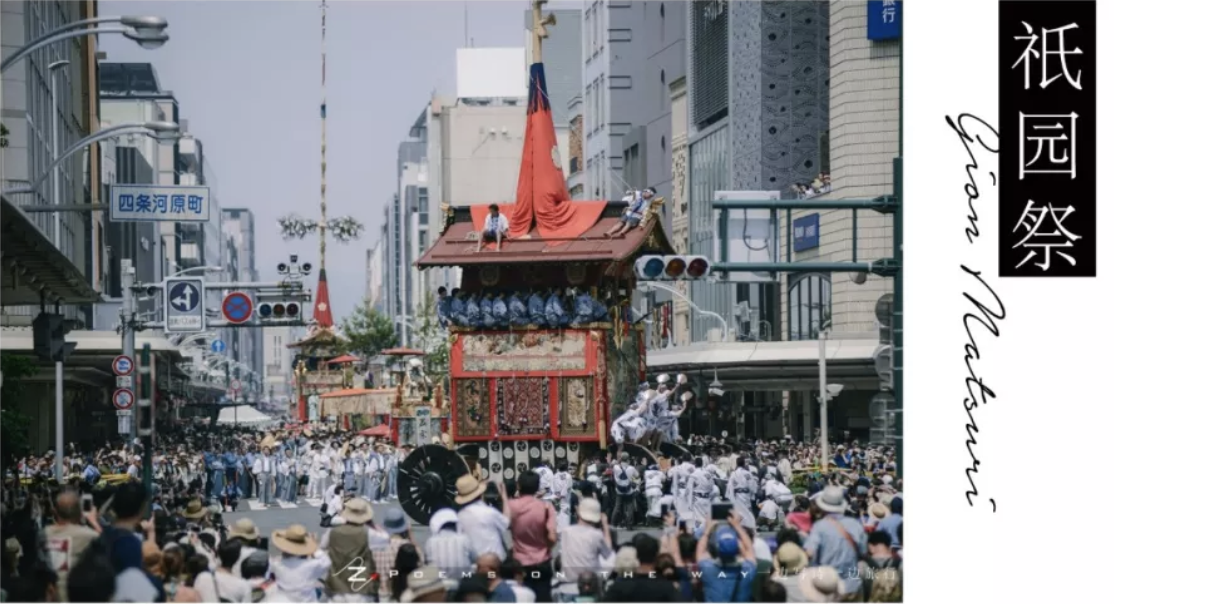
(789, 365)
(33, 269)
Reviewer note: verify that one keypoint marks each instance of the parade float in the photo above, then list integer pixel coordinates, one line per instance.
(524, 393)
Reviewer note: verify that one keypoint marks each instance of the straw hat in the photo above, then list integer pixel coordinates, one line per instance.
(469, 489)
(879, 511)
(423, 582)
(194, 510)
(791, 557)
(820, 584)
(245, 529)
(589, 510)
(832, 499)
(357, 511)
(295, 541)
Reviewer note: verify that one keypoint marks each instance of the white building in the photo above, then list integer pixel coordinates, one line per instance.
(475, 140)
(277, 373)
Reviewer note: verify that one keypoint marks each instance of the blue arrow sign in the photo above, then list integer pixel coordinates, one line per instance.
(184, 297)
(218, 346)
(184, 307)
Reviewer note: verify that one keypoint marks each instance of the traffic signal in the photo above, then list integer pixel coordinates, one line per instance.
(671, 268)
(279, 310)
(50, 337)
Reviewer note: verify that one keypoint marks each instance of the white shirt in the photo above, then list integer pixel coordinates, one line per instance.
(485, 526)
(375, 464)
(296, 577)
(230, 587)
(335, 505)
(498, 223)
(769, 509)
(524, 594)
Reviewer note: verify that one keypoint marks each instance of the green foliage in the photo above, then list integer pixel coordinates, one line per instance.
(434, 340)
(14, 425)
(3, 136)
(368, 332)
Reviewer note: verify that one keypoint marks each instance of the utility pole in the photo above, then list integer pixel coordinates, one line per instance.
(129, 311)
(146, 432)
(823, 398)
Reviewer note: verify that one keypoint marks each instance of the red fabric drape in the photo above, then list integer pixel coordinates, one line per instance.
(542, 200)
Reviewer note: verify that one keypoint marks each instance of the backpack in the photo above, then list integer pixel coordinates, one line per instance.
(886, 584)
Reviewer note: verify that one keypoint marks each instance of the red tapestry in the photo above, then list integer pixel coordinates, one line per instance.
(523, 406)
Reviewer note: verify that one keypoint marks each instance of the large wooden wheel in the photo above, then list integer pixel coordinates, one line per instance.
(426, 481)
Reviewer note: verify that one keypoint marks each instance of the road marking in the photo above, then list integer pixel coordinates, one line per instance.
(315, 502)
(256, 506)
(285, 505)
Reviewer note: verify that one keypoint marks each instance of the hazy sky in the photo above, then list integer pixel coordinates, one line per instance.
(247, 77)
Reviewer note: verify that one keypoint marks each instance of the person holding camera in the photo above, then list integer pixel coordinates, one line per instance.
(727, 560)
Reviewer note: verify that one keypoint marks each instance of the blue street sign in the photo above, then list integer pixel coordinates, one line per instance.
(159, 203)
(884, 20)
(184, 310)
(806, 232)
(218, 346)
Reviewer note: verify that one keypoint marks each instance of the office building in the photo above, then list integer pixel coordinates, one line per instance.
(408, 216)
(375, 290)
(759, 128)
(475, 139)
(29, 121)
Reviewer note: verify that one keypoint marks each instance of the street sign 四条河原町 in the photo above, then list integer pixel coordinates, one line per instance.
(159, 203)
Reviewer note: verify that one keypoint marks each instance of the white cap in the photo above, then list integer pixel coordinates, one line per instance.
(662, 379)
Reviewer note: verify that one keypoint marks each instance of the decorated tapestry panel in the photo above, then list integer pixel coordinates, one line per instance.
(524, 351)
(472, 400)
(523, 406)
(577, 407)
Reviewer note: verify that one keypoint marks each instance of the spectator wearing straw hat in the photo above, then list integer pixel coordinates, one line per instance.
(425, 585)
(836, 540)
(820, 584)
(301, 566)
(246, 533)
(483, 524)
(351, 545)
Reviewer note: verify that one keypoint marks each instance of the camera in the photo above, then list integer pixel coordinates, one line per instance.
(283, 268)
(306, 268)
(293, 258)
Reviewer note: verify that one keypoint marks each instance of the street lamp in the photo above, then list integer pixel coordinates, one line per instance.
(683, 297)
(147, 31)
(208, 269)
(158, 130)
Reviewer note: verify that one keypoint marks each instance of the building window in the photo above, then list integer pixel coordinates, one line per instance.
(810, 305)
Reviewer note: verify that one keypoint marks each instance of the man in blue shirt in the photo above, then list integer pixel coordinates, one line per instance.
(731, 573)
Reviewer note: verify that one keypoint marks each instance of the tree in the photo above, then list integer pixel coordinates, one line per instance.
(14, 425)
(434, 340)
(3, 136)
(368, 332)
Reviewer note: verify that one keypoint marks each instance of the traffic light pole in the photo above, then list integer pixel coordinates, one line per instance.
(884, 267)
(129, 312)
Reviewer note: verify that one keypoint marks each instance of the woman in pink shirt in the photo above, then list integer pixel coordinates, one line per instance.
(534, 535)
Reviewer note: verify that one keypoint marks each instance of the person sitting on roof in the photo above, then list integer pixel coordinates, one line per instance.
(495, 228)
(634, 212)
(537, 309)
(518, 314)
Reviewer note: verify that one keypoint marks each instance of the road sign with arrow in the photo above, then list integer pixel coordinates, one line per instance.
(184, 305)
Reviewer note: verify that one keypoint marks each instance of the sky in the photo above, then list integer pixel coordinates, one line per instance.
(246, 75)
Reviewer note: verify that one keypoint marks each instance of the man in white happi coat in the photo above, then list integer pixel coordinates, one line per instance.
(357, 461)
(653, 489)
(561, 485)
(265, 468)
(741, 488)
(702, 490)
(319, 471)
(682, 493)
(374, 476)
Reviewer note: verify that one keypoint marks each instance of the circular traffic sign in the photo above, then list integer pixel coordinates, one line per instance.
(237, 307)
(123, 399)
(184, 296)
(123, 365)
(235, 385)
